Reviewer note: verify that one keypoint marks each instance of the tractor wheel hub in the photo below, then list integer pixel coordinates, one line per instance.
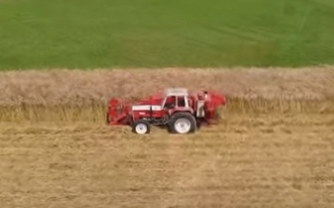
(141, 128)
(182, 125)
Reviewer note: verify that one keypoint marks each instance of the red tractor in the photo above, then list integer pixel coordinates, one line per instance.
(175, 108)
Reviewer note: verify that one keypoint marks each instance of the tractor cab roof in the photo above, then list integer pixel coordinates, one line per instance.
(176, 92)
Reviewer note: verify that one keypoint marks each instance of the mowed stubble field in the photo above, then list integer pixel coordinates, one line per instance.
(264, 153)
(249, 160)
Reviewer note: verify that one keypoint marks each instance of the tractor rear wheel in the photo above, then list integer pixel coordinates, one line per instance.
(182, 123)
(141, 127)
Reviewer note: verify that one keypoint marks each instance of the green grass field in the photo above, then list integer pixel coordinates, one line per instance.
(158, 33)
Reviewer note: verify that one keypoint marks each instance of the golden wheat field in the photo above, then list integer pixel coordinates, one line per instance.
(77, 87)
(272, 148)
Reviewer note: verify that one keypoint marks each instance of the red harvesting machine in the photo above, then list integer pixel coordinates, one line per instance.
(176, 108)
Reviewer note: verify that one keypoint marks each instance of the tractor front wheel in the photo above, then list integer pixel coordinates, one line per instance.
(141, 127)
(182, 123)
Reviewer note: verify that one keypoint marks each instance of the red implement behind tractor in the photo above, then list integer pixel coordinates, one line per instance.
(175, 108)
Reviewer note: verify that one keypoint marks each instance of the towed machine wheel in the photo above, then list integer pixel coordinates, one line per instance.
(141, 127)
(182, 123)
(108, 118)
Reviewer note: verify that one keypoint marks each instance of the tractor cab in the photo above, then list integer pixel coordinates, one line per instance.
(176, 98)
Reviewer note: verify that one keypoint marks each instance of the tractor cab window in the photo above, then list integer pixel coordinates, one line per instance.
(170, 102)
(175, 101)
(181, 102)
